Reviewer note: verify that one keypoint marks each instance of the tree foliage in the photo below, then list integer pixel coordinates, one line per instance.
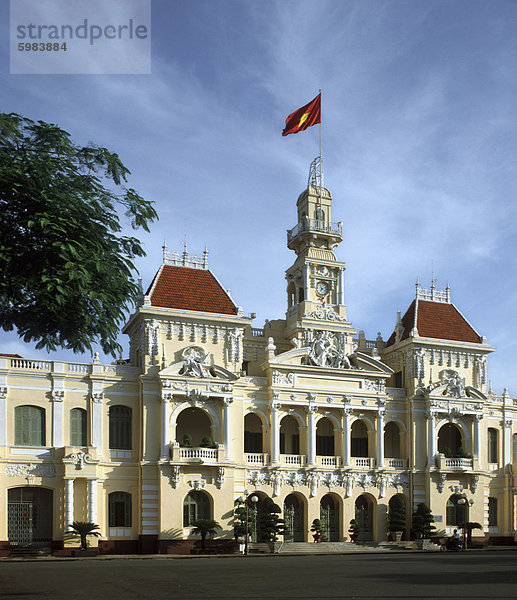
(397, 514)
(84, 529)
(422, 521)
(271, 525)
(66, 268)
(204, 527)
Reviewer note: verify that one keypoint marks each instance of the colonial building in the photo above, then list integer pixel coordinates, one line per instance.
(305, 411)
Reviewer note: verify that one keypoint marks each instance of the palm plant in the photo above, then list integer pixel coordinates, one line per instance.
(204, 527)
(84, 529)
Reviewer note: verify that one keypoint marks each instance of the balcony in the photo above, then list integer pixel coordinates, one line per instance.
(293, 460)
(329, 461)
(396, 463)
(363, 463)
(456, 464)
(318, 226)
(197, 455)
(256, 459)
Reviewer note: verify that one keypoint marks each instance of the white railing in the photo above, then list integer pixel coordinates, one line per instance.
(315, 225)
(257, 332)
(493, 466)
(293, 459)
(256, 459)
(22, 363)
(198, 453)
(369, 463)
(397, 463)
(329, 461)
(77, 368)
(458, 463)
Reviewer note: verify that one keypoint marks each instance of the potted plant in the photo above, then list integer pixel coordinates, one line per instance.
(187, 440)
(422, 524)
(353, 530)
(317, 529)
(204, 527)
(206, 442)
(396, 518)
(271, 525)
(83, 529)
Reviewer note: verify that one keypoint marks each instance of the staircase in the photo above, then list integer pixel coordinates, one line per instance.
(340, 547)
(29, 551)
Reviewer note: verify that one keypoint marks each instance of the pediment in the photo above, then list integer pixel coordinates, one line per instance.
(358, 362)
(441, 391)
(213, 372)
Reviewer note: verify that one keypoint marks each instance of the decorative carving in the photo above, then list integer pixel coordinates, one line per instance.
(219, 478)
(194, 359)
(480, 365)
(58, 395)
(331, 480)
(381, 484)
(312, 482)
(348, 484)
(257, 478)
(325, 313)
(80, 458)
(365, 480)
(327, 350)
(175, 476)
(294, 478)
(474, 483)
(419, 363)
(197, 484)
(24, 469)
(398, 481)
(3, 393)
(454, 383)
(374, 386)
(442, 478)
(97, 397)
(283, 378)
(276, 478)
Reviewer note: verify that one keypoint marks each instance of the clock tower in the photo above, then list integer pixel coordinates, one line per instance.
(315, 280)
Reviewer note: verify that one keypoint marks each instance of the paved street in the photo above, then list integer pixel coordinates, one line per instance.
(473, 575)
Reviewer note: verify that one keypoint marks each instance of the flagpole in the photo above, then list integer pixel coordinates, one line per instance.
(321, 150)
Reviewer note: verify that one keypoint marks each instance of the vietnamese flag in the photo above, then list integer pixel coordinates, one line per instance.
(304, 117)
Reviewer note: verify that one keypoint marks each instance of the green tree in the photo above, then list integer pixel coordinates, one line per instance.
(239, 513)
(396, 514)
(422, 521)
(66, 269)
(271, 525)
(84, 529)
(204, 527)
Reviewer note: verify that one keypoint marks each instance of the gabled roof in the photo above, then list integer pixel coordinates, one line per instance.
(438, 320)
(188, 288)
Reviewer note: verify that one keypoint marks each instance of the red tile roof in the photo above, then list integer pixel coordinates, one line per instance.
(436, 320)
(189, 289)
(11, 355)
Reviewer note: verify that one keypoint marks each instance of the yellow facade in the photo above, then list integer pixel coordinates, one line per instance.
(305, 411)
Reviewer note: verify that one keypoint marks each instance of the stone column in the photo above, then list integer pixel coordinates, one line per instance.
(346, 437)
(431, 441)
(166, 435)
(311, 435)
(275, 434)
(96, 433)
(92, 500)
(3, 416)
(57, 418)
(69, 501)
(477, 441)
(227, 427)
(507, 442)
(380, 438)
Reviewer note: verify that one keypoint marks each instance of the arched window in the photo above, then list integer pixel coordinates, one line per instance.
(359, 436)
(492, 512)
(193, 426)
(29, 426)
(324, 438)
(78, 427)
(119, 509)
(492, 445)
(289, 436)
(391, 440)
(449, 440)
(195, 506)
(252, 433)
(455, 512)
(120, 427)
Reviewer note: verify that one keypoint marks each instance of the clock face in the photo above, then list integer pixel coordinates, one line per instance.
(322, 288)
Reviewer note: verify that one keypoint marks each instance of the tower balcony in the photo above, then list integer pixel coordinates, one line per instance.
(317, 228)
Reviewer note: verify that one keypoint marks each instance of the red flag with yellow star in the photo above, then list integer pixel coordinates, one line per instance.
(304, 117)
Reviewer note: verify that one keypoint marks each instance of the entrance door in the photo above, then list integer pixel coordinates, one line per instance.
(29, 516)
(293, 518)
(363, 516)
(329, 520)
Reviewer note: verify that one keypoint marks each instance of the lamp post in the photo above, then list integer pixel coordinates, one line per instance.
(244, 500)
(468, 503)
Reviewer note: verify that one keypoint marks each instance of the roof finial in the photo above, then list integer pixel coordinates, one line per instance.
(185, 251)
(205, 257)
(164, 248)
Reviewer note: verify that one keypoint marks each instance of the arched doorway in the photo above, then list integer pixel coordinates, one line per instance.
(289, 436)
(455, 512)
(391, 440)
(449, 440)
(193, 428)
(364, 518)
(329, 517)
(252, 434)
(294, 519)
(359, 439)
(29, 516)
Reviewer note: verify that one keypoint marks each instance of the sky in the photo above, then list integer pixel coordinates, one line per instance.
(419, 146)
